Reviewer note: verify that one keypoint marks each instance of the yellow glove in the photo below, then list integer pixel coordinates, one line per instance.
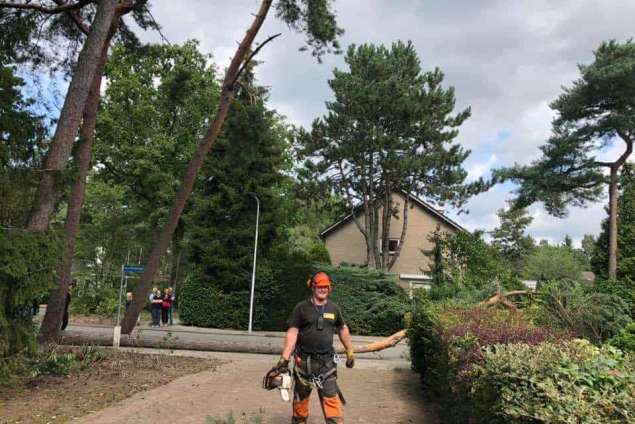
(350, 358)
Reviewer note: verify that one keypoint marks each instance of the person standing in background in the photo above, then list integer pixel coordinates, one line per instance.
(172, 299)
(157, 303)
(166, 305)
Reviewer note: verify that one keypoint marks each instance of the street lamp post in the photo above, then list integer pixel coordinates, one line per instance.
(253, 272)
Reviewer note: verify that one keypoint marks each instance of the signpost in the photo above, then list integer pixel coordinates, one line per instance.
(125, 269)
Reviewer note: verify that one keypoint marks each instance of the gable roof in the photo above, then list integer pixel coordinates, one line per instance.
(420, 202)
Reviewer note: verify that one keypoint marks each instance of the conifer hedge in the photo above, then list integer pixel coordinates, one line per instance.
(372, 303)
(28, 261)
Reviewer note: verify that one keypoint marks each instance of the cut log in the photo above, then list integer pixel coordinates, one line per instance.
(386, 343)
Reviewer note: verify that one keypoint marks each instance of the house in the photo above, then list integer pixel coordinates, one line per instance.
(346, 244)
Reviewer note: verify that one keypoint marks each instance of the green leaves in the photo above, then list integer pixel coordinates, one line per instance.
(570, 383)
(598, 110)
(390, 125)
(316, 19)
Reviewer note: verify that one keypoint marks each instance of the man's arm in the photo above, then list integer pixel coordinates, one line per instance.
(289, 342)
(345, 337)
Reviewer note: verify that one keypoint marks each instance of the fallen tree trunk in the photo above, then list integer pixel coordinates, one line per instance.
(502, 299)
(151, 340)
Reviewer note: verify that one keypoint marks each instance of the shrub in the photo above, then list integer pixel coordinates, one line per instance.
(625, 339)
(445, 344)
(203, 305)
(578, 308)
(95, 300)
(624, 288)
(371, 301)
(573, 382)
(28, 261)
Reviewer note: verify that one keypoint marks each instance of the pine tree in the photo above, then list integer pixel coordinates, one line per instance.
(391, 129)
(250, 157)
(597, 110)
(509, 237)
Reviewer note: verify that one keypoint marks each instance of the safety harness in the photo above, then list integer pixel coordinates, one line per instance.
(317, 379)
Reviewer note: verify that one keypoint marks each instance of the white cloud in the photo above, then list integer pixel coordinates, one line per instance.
(507, 60)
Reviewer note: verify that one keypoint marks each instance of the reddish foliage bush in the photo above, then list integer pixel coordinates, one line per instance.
(467, 331)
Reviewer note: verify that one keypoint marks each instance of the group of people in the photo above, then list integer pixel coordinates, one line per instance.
(160, 305)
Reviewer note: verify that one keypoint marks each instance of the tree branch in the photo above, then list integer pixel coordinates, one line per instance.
(629, 148)
(48, 10)
(251, 56)
(74, 15)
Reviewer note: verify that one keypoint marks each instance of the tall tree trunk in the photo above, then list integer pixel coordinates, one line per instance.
(613, 211)
(176, 253)
(49, 190)
(614, 195)
(49, 331)
(385, 226)
(187, 183)
(404, 231)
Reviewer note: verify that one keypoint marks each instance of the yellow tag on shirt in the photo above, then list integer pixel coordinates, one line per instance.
(329, 315)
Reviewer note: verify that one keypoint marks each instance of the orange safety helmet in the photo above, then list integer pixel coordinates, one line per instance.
(320, 279)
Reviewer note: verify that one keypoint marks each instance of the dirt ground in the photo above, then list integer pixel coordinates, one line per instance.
(55, 399)
(376, 393)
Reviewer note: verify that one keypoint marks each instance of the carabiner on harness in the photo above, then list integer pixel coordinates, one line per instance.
(318, 380)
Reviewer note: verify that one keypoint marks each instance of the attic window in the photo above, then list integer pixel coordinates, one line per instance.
(393, 244)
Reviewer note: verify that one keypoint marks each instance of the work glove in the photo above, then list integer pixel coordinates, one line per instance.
(282, 366)
(350, 358)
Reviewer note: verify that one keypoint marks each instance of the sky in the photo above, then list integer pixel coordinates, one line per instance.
(507, 59)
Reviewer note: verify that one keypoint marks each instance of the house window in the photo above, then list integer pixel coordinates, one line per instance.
(417, 285)
(393, 244)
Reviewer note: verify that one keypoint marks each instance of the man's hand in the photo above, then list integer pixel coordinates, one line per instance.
(282, 366)
(350, 358)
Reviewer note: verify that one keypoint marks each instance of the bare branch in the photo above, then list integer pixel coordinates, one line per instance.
(77, 19)
(251, 56)
(48, 10)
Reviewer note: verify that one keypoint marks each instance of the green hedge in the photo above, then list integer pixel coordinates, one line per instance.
(581, 309)
(371, 301)
(446, 343)
(574, 382)
(28, 261)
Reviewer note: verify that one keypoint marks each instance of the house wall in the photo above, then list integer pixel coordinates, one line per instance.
(346, 243)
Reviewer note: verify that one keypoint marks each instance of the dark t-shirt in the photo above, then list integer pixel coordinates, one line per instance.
(305, 317)
(157, 305)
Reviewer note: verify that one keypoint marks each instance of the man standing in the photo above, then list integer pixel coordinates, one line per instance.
(309, 338)
(156, 303)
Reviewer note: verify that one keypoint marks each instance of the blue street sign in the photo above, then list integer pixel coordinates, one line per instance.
(133, 269)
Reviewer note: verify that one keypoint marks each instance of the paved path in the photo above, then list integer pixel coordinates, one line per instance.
(377, 391)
